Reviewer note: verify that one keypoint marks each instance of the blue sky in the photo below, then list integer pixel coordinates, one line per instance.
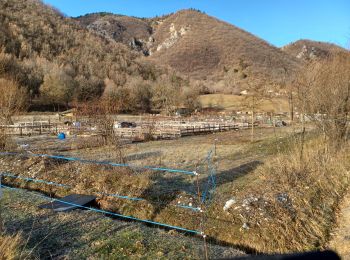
(276, 21)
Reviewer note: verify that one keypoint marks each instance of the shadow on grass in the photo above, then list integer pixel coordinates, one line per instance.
(142, 156)
(166, 189)
(47, 237)
(236, 172)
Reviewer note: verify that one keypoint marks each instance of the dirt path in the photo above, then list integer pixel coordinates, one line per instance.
(341, 236)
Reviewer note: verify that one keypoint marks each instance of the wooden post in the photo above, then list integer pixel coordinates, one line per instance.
(0, 206)
(252, 130)
(253, 108)
(215, 146)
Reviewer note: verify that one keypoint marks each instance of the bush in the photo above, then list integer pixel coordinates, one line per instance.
(324, 95)
(13, 99)
(291, 204)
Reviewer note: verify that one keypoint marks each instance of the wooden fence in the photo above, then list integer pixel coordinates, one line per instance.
(144, 130)
(37, 129)
(170, 131)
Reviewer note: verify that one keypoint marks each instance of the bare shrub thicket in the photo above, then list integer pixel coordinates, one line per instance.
(324, 96)
(13, 99)
(3, 139)
(164, 94)
(57, 88)
(99, 115)
(63, 59)
(291, 204)
(304, 195)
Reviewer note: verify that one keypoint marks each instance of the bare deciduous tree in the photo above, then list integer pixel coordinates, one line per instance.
(57, 88)
(256, 94)
(324, 95)
(13, 99)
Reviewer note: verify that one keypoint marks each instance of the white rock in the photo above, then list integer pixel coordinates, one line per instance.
(229, 204)
(245, 226)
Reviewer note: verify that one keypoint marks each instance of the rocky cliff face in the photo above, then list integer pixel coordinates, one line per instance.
(175, 35)
(131, 31)
(309, 50)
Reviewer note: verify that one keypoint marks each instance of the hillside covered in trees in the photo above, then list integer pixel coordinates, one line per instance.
(58, 61)
(134, 64)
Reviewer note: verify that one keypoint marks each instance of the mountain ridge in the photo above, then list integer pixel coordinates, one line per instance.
(103, 52)
(207, 49)
(305, 49)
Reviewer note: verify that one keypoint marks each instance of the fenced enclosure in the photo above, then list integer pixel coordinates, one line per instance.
(182, 192)
(151, 128)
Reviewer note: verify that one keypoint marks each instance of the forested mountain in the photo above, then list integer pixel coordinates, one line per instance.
(221, 56)
(140, 64)
(54, 56)
(131, 31)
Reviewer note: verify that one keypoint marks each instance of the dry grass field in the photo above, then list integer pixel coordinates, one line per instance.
(274, 194)
(84, 234)
(229, 102)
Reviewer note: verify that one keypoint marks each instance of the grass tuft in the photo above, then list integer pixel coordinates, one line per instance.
(10, 246)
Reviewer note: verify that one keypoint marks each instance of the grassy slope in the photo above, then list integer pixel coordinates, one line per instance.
(282, 203)
(340, 236)
(83, 234)
(235, 102)
(237, 159)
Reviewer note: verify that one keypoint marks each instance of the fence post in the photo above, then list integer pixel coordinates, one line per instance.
(0, 204)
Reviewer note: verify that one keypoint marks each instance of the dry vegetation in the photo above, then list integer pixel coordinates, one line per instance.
(283, 204)
(221, 56)
(10, 247)
(237, 103)
(290, 204)
(285, 189)
(57, 61)
(308, 50)
(13, 100)
(131, 31)
(323, 93)
(216, 50)
(83, 234)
